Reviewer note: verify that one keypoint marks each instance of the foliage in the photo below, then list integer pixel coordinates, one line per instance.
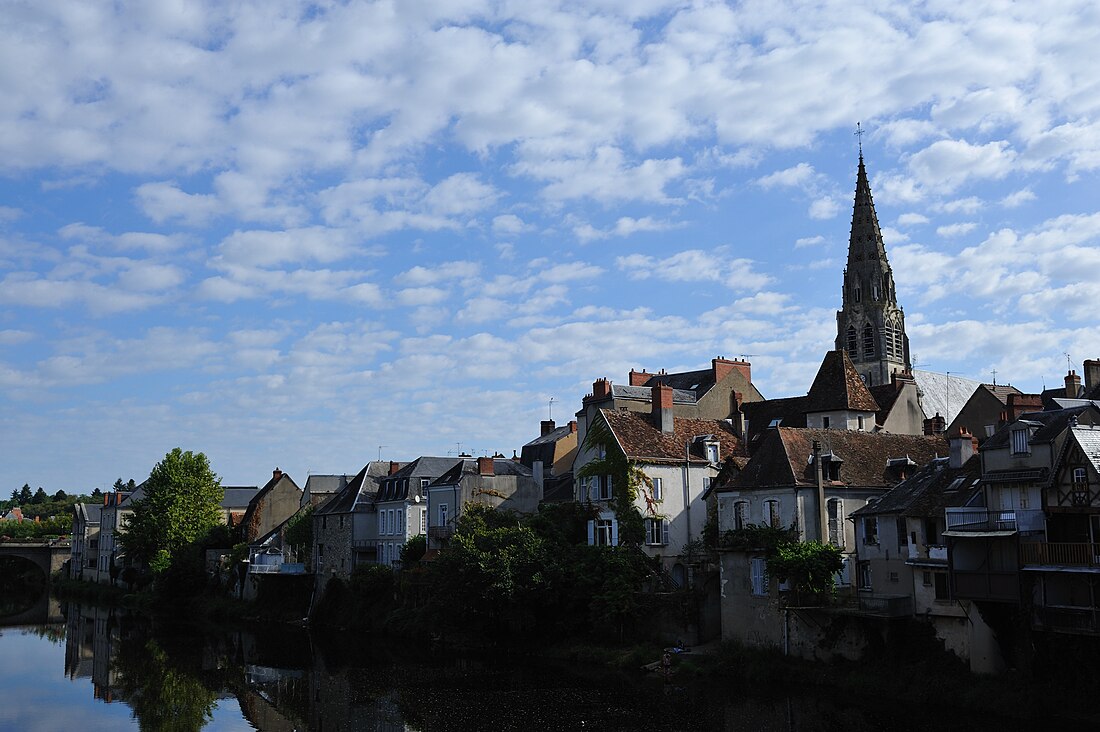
(25, 494)
(180, 506)
(809, 566)
(39, 496)
(757, 537)
(27, 529)
(413, 550)
(59, 496)
(299, 531)
(164, 696)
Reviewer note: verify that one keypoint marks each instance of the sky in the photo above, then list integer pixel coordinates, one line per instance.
(309, 235)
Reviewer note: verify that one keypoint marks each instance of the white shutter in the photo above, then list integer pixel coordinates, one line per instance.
(756, 569)
(608, 493)
(591, 533)
(614, 531)
(664, 532)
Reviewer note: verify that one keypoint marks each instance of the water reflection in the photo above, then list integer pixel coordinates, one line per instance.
(177, 677)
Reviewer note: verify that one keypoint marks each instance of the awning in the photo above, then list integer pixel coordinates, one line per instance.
(978, 534)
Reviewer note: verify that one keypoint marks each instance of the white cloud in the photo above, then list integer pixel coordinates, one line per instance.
(912, 219)
(1018, 198)
(948, 164)
(809, 241)
(951, 230)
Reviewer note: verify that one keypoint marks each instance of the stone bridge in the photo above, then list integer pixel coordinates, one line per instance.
(48, 555)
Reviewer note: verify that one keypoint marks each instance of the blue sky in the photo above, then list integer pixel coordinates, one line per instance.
(306, 235)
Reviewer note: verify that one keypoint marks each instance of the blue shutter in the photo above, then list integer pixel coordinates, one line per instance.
(614, 531)
(591, 533)
(664, 532)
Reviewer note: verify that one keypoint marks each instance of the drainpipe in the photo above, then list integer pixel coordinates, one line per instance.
(822, 514)
(786, 631)
(687, 492)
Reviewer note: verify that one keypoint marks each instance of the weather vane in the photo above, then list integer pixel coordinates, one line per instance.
(859, 137)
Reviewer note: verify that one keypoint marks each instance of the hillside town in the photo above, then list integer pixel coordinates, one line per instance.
(959, 505)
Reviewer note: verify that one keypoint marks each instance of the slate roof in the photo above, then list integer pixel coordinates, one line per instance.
(322, 484)
(237, 496)
(360, 491)
(642, 441)
(91, 511)
(943, 394)
(783, 458)
(551, 437)
(698, 382)
(396, 487)
(837, 387)
(926, 493)
(1088, 437)
(645, 393)
(470, 467)
(1050, 423)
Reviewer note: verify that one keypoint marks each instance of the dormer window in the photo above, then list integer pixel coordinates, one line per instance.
(712, 452)
(1020, 442)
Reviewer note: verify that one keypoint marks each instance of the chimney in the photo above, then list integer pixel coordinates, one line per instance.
(572, 426)
(276, 474)
(935, 425)
(723, 366)
(639, 378)
(394, 467)
(601, 389)
(107, 498)
(962, 445)
(1021, 404)
(736, 418)
(1092, 375)
(819, 481)
(538, 473)
(662, 408)
(1073, 385)
(547, 427)
(484, 466)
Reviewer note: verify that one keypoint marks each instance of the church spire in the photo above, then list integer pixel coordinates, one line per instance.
(870, 325)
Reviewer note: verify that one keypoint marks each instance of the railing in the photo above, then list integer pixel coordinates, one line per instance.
(441, 532)
(890, 606)
(998, 586)
(263, 568)
(1083, 620)
(984, 519)
(1069, 554)
(283, 568)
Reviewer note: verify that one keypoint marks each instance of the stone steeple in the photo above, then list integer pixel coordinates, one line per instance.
(870, 326)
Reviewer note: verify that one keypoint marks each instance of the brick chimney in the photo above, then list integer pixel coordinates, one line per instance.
(662, 408)
(1073, 385)
(723, 366)
(394, 467)
(936, 425)
(962, 446)
(1022, 403)
(276, 474)
(547, 426)
(485, 466)
(601, 389)
(1092, 374)
(572, 426)
(639, 378)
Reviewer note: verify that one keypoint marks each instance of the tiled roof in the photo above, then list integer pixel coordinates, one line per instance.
(321, 484)
(837, 387)
(642, 441)
(501, 466)
(930, 490)
(783, 458)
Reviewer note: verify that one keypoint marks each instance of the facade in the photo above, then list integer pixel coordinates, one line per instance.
(987, 409)
(345, 528)
(503, 484)
(870, 325)
(114, 510)
(279, 499)
(550, 457)
(402, 504)
(679, 458)
(85, 541)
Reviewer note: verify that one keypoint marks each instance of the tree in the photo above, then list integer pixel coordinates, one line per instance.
(25, 494)
(119, 485)
(59, 496)
(39, 496)
(180, 506)
(98, 494)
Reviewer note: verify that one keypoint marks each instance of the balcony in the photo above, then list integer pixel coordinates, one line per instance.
(441, 533)
(886, 606)
(1061, 554)
(1067, 620)
(997, 586)
(984, 519)
(1078, 495)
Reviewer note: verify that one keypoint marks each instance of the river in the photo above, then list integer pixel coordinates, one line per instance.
(107, 669)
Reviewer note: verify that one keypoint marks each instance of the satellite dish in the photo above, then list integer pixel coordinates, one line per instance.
(416, 499)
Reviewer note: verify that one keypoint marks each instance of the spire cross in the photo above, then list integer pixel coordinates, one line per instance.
(859, 137)
(994, 377)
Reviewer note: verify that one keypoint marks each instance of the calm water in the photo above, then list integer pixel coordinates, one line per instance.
(83, 669)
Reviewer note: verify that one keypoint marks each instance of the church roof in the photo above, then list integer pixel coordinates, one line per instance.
(865, 240)
(837, 387)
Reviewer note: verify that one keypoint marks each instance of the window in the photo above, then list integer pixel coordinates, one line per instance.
(868, 341)
(876, 293)
(771, 513)
(835, 511)
(852, 343)
(658, 489)
(1080, 478)
(381, 522)
(903, 535)
(758, 574)
(324, 522)
(656, 532)
(863, 572)
(93, 543)
(602, 485)
(740, 514)
(942, 592)
(320, 555)
(1019, 442)
(443, 514)
(927, 578)
(604, 534)
(825, 422)
(707, 480)
(894, 577)
(870, 530)
(712, 452)
(858, 294)
(860, 422)
(931, 532)
(424, 482)
(423, 521)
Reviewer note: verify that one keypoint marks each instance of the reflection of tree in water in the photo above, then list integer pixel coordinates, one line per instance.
(21, 585)
(163, 695)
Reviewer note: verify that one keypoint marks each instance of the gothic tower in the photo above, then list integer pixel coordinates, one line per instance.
(870, 326)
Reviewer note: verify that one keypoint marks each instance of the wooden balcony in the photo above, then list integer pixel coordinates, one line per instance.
(1062, 554)
(441, 533)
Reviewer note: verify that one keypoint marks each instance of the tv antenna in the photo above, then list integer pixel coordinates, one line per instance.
(550, 405)
(380, 452)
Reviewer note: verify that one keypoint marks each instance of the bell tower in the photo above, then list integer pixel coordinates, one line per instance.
(870, 326)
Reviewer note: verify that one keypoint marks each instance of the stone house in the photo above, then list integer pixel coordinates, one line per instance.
(504, 484)
(279, 499)
(345, 528)
(84, 558)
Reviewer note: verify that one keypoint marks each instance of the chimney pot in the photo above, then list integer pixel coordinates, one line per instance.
(394, 467)
(661, 408)
(547, 427)
(1073, 385)
(485, 466)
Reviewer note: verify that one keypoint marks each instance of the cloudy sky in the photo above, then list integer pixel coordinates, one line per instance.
(308, 235)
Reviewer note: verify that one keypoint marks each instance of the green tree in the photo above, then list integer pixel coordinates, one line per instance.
(413, 550)
(180, 506)
(25, 494)
(39, 496)
(97, 494)
(59, 496)
(119, 485)
(810, 566)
